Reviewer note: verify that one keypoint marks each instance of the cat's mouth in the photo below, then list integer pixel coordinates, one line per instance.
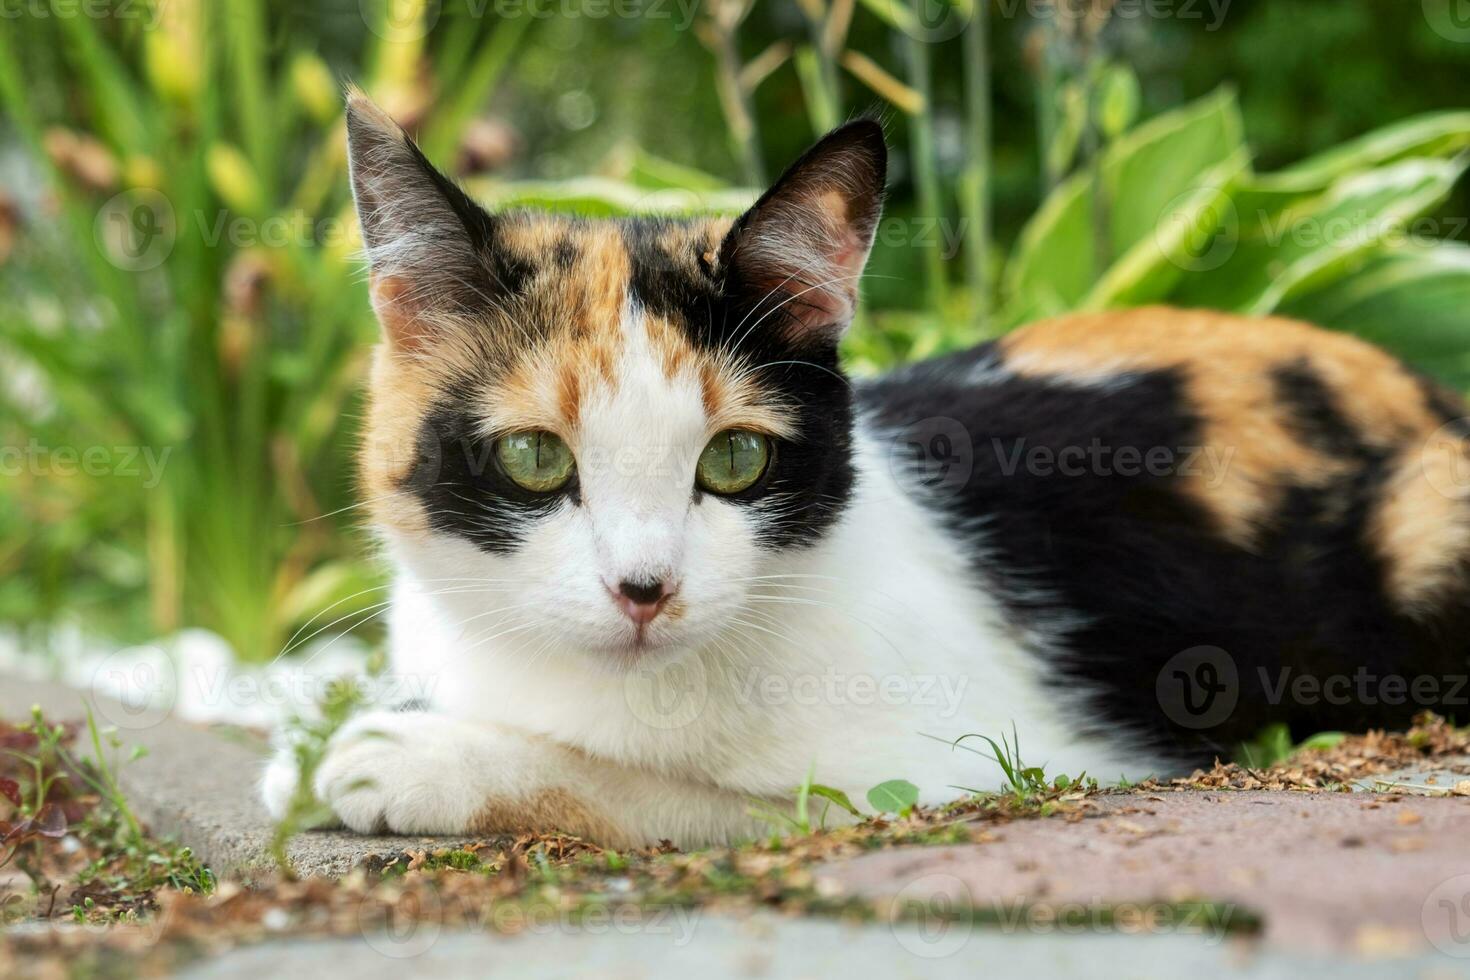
(634, 644)
(642, 640)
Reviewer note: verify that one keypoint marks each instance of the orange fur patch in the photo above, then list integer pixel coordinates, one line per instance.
(1421, 527)
(545, 812)
(1226, 363)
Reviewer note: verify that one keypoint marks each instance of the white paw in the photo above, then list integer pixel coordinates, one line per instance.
(405, 773)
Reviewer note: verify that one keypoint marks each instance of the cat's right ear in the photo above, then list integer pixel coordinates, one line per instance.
(427, 242)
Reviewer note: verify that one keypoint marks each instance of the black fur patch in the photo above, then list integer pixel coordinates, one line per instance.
(458, 480)
(1126, 571)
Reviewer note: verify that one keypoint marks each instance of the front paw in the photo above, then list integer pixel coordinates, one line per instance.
(400, 772)
(397, 772)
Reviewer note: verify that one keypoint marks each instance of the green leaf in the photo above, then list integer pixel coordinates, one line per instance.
(654, 172)
(1272, 257)
(467, 94)
(835, 796)
(1182, 239)
(1437, 134)
(1323, 740)
(122, 116)
(1145, 176)
(1271, 744)
(1434, 134)
(604, 197)
(893, 796)
(1410, 300)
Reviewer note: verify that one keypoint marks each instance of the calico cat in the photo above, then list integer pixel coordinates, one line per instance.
(657, 556)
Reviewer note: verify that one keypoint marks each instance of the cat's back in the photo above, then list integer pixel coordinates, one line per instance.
(1178, 478)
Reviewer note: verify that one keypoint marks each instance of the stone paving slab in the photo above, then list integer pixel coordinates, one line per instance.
(198, 785)
(1357, 872)
(767, 948)
(1327, 871)
(1439, 778)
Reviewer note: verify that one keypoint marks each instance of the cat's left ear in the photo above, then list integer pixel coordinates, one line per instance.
(800, 250)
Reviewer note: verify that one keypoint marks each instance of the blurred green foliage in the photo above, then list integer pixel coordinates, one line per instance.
(176, 241)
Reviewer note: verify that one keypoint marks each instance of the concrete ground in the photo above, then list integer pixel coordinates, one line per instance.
(1350, 884)
(794, 949)
(198, 785)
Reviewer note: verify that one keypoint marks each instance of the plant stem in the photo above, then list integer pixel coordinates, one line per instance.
(978, 171)
(926, 168)
(1048, 85)
(474, 88)
(825, 78)
(243, 26)
(739, 115)
(819, 105)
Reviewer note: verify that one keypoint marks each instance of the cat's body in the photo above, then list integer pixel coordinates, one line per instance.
(1111, 533)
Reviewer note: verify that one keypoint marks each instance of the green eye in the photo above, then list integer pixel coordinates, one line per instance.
(732, 461)
(537, 461)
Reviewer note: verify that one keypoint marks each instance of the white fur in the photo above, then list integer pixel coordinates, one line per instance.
(854, 660)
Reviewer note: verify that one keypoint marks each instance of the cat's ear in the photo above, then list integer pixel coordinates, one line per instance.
(427, 242)
(799, 252)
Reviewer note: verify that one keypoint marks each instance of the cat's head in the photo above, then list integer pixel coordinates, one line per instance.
(599, 434)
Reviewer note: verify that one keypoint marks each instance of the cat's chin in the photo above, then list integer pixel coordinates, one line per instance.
(632, 651)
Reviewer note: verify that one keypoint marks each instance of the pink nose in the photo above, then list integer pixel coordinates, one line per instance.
(641, 601)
